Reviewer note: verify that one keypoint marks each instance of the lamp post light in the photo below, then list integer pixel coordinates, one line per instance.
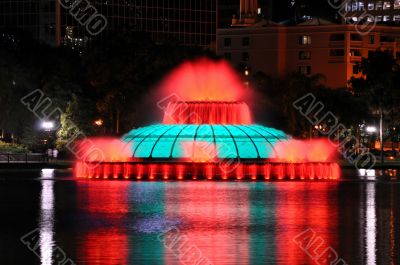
(48, 128)
(371, 129)
(47, 125)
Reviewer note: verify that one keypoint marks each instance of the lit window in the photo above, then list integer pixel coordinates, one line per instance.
(396, 4)
(386, 18)
(379, 5)
(304, 55)
(305, 70)
(386, 5)
(371, 6)
(259, 11)
(227, 42)
(305, 40)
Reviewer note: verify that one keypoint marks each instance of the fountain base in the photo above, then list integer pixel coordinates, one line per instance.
(210, 171)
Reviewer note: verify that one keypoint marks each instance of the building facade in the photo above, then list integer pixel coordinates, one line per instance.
(188, 22)
(329, 49)
(372, 10)
(34, 16)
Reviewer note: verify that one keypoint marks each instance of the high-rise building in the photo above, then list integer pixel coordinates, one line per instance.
(188, 22)
(34, 16)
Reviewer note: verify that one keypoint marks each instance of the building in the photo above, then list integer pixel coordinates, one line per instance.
(188, 22)
(316, 46)
(372, 10)
(34, 16)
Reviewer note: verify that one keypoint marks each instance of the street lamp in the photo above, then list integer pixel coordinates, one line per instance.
(371, 129)
(47, 125)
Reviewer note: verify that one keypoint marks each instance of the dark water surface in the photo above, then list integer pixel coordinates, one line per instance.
(123, 222)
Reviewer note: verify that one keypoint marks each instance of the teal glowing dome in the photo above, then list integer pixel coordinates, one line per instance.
(179, 141)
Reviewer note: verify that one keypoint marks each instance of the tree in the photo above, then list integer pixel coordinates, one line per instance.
(379, 87)
(278, 95)
(124, 68)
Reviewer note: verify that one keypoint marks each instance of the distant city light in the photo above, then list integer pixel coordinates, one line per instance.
(246, 72)
(47, 125)
(371, 129)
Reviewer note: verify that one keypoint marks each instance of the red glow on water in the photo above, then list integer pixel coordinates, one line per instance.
(204, 79)
(293, 151)
(211, 208)
(317, 213)
(103, 149)
(108, 202)
(205, 112)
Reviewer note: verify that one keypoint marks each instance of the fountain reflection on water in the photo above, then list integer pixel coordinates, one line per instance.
(46, 221)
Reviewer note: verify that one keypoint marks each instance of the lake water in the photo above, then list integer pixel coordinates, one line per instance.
(73, 221)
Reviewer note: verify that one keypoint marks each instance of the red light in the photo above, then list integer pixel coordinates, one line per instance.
(209, 171)
(180, 171)
(267, 171)
(253, 172)
(165, 171)
(291, 171)
(152, 171)
(127, 171)
(311, 171)
(239, 171)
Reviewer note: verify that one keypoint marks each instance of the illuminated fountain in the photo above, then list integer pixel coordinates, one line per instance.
(207, 133)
